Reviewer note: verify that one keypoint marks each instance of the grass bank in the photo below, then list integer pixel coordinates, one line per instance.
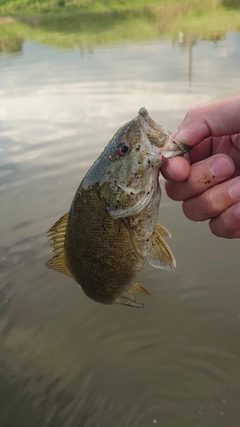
(85, 29)
(63, 7)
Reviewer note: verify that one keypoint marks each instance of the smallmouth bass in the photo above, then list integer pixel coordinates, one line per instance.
(111, 228)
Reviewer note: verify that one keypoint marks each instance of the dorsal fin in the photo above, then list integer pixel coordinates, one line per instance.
(57, 235)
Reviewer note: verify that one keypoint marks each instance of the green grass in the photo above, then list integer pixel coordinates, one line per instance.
(31, 7)
(206, 19)
(220, 20)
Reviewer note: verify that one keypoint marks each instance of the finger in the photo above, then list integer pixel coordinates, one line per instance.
(228, 223)
(215, 119)
(213, 202)
(202, 151)
(229, 144)
(236, 141)
(203, 175)
(176, 169)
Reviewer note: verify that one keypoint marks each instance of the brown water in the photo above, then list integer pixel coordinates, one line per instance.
(65, 360)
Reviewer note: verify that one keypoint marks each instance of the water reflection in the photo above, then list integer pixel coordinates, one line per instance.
(66, 360)
(12, 45)
(208, 21)
(231, 4)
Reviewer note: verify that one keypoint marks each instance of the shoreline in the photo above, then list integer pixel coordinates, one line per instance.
(65, 8)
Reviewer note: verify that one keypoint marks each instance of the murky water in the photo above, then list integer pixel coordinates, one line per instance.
(65, 360)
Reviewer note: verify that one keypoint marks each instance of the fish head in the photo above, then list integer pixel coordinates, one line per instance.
(132, 161)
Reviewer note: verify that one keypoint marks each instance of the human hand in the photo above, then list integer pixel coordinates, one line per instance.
(208, 181)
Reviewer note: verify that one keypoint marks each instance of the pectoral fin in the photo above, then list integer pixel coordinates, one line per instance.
(133, 238)
(162, 231)
(57, 235)
(160, 255)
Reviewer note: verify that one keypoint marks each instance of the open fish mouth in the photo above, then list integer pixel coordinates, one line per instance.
(156, 134)
(159, 137)
(185, 148)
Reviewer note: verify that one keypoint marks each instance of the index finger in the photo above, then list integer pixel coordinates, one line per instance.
(217, 118)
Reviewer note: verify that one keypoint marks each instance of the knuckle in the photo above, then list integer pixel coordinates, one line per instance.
(194, 111)
(236, 141)
(185, 209)
(215, 229)
(172, 190)
(226, 225)
(208, 205)
(189, 208)
(200, 208)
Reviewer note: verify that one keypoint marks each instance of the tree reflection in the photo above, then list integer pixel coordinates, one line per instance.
(11, 45)
(231, 4)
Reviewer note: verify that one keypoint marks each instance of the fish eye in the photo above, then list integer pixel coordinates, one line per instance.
(123, 149)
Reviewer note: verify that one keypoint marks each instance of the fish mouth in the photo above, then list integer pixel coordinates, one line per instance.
(158, 136)
(183, 147)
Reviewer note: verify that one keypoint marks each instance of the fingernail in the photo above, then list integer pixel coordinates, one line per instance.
(174, 134)
(221, 168)
(234, 190)
(179, 135)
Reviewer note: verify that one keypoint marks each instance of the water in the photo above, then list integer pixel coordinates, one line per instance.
(65, 360)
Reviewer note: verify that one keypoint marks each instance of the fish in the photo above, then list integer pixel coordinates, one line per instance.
(111, 228)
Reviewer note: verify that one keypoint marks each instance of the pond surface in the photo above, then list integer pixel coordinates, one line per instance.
(65, 360)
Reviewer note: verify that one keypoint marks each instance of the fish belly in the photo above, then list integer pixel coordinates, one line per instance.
(99, 249)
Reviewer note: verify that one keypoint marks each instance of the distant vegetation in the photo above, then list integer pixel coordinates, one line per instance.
(84, 24)
(31, 7)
